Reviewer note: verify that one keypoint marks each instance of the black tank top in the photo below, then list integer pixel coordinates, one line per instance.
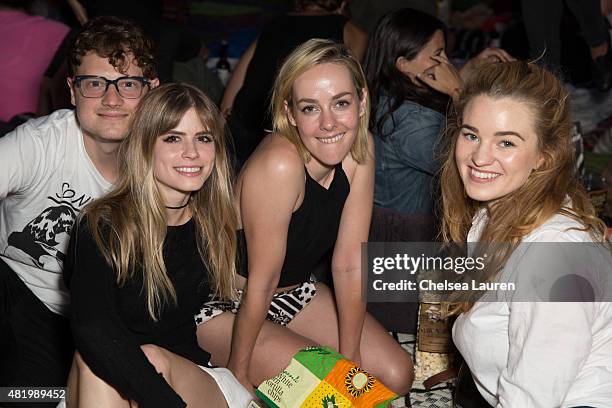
(312, 230)
(278, 38)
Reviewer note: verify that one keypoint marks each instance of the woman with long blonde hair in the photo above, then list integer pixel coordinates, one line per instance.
(508, 179)
(306, 191)
(146, 255)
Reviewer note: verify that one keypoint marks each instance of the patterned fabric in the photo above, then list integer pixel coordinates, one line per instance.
(284, 307)
(321, 377)
(432, 399)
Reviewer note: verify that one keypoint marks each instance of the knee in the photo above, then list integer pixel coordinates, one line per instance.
(157, 357)
(399, 374)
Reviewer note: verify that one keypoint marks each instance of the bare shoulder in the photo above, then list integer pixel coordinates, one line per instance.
(275, 163)
(351, 167)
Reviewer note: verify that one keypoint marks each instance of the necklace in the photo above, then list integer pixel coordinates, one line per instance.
(179, 207)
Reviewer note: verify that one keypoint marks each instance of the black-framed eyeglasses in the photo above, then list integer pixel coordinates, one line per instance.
(92, 86)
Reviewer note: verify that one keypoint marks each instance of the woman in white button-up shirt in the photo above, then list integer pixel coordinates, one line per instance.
(508, 178)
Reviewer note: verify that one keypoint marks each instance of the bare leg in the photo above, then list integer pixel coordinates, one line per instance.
(196, 387)
(72, 387)
(381, 355)
(316, 324)
(85, 389)
(273, 350)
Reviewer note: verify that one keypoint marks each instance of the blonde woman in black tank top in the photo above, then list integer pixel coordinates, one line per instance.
(307, 189)
(247, 95)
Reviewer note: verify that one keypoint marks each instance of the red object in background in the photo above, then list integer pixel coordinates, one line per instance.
(489, 24)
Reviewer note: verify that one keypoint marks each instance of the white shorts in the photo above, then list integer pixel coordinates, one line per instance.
(235, 394)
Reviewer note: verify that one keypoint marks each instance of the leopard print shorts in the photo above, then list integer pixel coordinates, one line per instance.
(284, 307)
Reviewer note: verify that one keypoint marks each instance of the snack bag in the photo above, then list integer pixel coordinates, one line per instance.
(320, 377)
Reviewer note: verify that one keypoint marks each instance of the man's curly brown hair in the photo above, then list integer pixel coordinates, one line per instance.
(112, 38)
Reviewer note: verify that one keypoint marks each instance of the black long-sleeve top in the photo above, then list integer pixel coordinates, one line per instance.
(109, 323)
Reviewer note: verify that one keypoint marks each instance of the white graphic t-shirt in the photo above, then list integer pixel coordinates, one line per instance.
(46, 177)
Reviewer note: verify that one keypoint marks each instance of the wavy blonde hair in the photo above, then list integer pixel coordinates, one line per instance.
(547, 188)
(129, 223)
(311, 53)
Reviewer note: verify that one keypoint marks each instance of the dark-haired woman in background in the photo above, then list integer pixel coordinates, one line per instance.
(411, 83)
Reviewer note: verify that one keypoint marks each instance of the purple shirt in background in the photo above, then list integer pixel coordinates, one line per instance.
(27, 45)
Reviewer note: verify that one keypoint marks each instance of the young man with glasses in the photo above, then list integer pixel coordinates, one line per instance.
(50, 168)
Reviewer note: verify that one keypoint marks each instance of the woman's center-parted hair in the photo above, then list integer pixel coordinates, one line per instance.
(135, 212)
(308, 55)
(161, 110)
